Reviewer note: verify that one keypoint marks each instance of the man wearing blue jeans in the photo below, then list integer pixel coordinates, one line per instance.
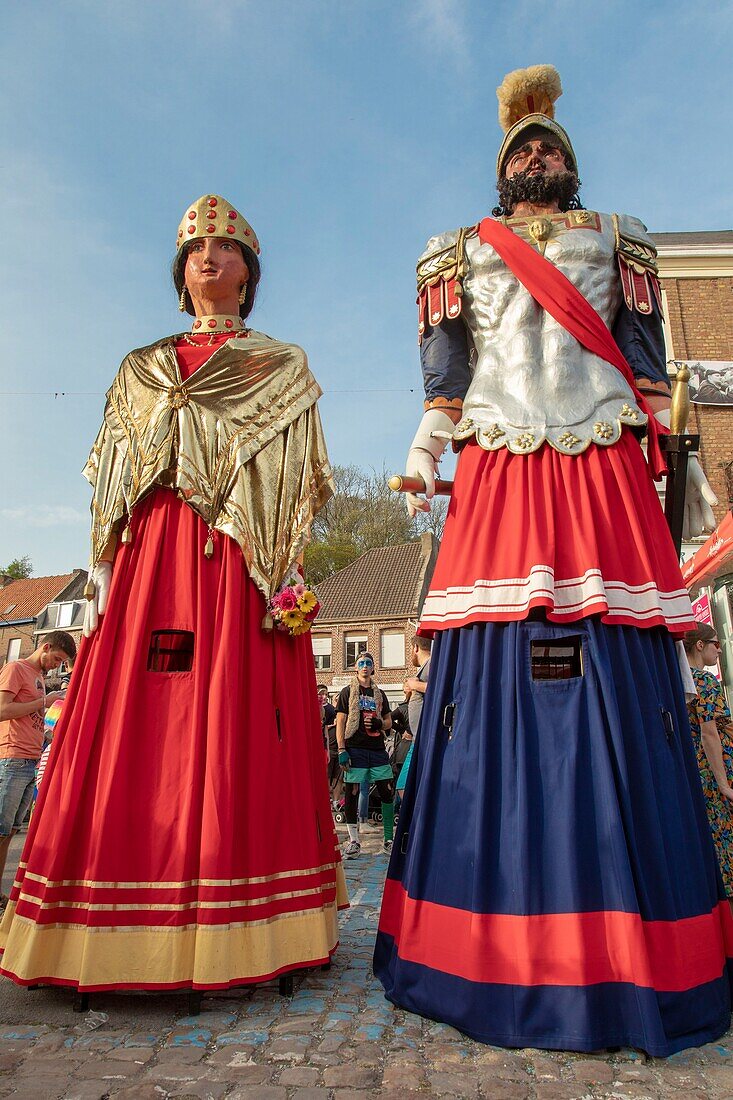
(23, 701)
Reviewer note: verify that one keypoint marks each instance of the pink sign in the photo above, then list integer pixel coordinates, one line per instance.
(701, 610)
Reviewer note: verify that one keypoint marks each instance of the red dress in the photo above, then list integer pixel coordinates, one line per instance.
(576, 535)
(183, 834)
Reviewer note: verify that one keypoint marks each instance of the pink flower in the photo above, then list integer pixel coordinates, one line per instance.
(298, 589)
(287, 600)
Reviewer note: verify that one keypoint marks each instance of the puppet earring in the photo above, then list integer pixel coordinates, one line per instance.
(182, 301)
(243, 295)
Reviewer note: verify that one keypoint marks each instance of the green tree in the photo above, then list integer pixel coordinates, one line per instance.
(19, 568)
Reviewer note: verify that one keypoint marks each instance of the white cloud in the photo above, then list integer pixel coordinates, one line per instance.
(52, 515)
(443, 25)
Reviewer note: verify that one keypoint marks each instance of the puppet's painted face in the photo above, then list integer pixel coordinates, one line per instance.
(215, 271)
(536, 158)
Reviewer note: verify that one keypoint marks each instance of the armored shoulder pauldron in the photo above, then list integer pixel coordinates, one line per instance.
(637, 264)
(440, 277)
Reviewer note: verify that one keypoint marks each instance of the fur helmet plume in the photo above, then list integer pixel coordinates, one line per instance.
(527, 92)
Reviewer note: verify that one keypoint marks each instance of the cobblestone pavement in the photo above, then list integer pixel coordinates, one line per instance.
(335, 1039)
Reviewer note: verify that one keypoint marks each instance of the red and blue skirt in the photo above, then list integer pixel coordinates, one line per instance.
(553, 881)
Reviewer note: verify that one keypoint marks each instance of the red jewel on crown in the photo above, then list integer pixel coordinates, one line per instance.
(212, 323)
(192, 215)
(212, 202)
(231, 229)
(232, 214)
(229, 324)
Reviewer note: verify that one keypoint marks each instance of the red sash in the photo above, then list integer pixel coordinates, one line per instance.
(563, 301)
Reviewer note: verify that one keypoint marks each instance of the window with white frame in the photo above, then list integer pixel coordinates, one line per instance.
(322, 651)
(354, 645)
(14, 649)
(392, 649)
(65, 616)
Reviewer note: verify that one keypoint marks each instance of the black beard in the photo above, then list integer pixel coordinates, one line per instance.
(540, 190)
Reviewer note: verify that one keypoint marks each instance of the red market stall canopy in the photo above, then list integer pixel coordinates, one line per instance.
(713, 558)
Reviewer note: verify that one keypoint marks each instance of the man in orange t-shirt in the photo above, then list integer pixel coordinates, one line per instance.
(23, 701)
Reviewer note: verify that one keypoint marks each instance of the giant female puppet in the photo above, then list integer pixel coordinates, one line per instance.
(162, 854)
(552, 882)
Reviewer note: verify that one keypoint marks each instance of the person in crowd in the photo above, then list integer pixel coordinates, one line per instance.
(712, 731)
(329, 735)
(328, 718)
(403, 743)
(185, 703)
(400, 722)
(362, 808)
(362, 719)
(23, 703)
(415, 687)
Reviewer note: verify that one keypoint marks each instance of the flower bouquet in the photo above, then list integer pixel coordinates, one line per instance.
(294, 606)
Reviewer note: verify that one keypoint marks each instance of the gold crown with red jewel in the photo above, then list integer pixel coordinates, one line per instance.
(527, 100)
(213, 216)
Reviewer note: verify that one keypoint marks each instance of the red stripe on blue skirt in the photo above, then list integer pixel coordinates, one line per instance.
(565, 949)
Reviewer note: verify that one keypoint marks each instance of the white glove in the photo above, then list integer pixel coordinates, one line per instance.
(699, 495)
(100, 577)
(426, 449)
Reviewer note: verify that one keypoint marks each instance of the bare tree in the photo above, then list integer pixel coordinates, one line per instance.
(363, 513)
(434, 520)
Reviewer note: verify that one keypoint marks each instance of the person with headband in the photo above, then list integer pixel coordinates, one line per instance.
(362, 718)
(158, 858)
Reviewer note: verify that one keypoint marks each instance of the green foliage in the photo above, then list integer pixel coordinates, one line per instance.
(19, 568)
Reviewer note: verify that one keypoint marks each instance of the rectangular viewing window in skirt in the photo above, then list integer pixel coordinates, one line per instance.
(557, 658)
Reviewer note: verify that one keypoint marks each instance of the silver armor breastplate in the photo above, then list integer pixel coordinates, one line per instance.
(532, 381)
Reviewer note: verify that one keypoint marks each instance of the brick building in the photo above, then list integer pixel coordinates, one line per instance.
(373, 604)
(696, 270)
(697, 283)
(24, 609)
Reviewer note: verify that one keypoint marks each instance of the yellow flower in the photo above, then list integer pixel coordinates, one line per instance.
(291, 619)
(302, 629)
(307, 601)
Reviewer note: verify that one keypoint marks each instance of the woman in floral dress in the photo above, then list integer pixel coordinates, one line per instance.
(712, 730)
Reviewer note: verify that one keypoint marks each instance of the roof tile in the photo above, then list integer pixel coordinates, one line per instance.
(29, 596)
(384, 583)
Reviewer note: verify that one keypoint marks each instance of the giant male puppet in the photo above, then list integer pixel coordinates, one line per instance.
(553, 882)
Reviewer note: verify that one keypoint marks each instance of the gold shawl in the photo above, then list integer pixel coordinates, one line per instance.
(240, 441)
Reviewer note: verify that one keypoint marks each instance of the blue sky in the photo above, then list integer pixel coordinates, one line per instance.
(347, 133)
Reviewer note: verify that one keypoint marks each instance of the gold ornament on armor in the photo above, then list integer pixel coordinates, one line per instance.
(539, 230)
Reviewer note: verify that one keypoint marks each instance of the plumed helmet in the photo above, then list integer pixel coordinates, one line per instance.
(527, 109)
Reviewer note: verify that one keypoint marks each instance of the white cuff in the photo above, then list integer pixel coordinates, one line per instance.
(436, 429)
